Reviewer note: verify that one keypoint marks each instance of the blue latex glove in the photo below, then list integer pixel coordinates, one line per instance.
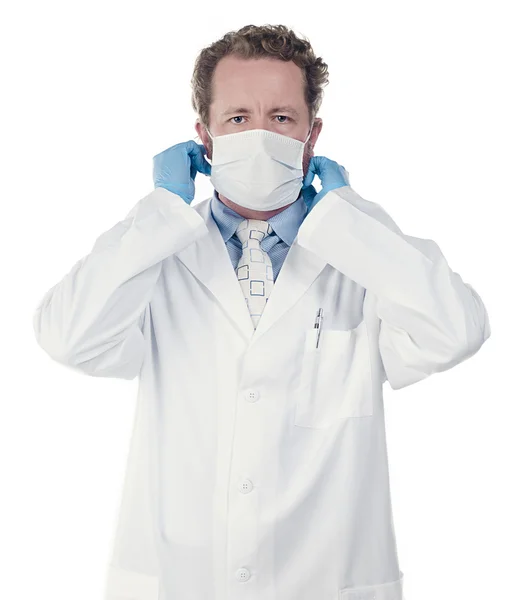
(331, 174)
(175, 168)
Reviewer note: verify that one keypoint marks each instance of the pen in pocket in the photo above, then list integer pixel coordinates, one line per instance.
(318, 325)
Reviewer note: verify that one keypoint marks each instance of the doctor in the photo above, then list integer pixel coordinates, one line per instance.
(262, 324)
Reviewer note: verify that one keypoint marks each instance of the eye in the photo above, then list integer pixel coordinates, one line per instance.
(240, 117)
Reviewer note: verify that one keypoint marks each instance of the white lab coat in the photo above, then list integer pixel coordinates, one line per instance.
(258, 464)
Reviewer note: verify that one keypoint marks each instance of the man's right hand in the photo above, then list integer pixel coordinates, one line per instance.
(175, 168)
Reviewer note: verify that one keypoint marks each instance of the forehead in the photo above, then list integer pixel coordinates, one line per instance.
(239, 81)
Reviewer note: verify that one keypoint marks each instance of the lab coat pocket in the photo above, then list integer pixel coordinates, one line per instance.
(335, 378)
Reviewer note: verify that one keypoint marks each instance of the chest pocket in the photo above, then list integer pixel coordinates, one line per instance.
(335, 378)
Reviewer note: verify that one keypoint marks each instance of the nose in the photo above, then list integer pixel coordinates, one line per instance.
(262, 123)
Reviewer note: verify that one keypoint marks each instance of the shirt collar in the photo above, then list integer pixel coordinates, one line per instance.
(285, 224)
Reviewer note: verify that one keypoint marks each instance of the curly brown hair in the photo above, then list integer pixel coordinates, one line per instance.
(256, 41)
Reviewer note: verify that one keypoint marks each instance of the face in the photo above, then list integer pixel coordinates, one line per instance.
(262, 93)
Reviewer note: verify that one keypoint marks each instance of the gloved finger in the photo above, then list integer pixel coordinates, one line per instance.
(308, 194)
(311, 170)
(193, 171)
(196, 153)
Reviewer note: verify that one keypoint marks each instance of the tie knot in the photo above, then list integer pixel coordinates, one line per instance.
(253, 229)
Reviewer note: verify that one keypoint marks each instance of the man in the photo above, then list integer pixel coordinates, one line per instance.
(262, 323)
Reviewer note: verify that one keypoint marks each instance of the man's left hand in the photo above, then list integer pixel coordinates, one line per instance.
(331, 174)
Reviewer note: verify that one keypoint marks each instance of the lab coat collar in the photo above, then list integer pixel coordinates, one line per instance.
(208, 259)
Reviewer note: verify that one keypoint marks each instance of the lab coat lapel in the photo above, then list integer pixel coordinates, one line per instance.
(209, 261)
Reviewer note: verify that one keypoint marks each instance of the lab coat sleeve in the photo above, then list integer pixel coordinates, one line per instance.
(430, 319)
(91, 321)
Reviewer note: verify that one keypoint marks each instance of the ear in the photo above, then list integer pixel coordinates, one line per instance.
(317, 127)
(204, 136)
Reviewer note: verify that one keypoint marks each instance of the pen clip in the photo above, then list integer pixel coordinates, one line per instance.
(318, 325)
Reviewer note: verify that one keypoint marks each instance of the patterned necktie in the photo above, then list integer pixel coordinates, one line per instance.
(254, 269)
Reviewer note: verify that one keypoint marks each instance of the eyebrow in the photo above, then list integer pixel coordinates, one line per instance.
(278, 109)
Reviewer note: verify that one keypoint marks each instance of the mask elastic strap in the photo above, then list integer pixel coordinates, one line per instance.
(310, 132)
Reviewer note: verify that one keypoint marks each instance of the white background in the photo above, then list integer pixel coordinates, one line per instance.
(414, 111)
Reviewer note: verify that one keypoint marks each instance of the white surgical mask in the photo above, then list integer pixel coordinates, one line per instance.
(258, 169)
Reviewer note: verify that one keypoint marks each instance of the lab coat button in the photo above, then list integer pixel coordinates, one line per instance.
(251, 395)
(245, 486)
(242, 574)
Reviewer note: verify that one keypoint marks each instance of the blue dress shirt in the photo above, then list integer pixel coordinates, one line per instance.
(285, 225)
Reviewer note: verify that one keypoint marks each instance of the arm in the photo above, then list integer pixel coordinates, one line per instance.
(430, 320)
(91, 320)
